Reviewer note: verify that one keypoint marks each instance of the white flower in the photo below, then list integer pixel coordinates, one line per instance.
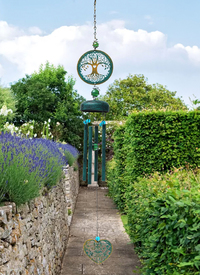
(35, 135)
(10, 111)
(58, 123)
(11, 127)
(49, 120)
(16, 128)
(31, 127)
(28, 133)
(45, 122)
(4, 111)
(49, 134)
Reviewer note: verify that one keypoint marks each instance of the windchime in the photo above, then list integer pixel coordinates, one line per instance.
(95, 67)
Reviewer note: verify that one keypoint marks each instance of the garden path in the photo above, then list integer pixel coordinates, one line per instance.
(123, 260)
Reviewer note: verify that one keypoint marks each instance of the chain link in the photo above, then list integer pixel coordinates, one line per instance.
(95, 22)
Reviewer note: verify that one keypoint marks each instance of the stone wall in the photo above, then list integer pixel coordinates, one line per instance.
(33, 237)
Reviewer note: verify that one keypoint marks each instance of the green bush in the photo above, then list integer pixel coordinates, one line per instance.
(153, 141)
(164, 222)
(115, 169)
(158, 141)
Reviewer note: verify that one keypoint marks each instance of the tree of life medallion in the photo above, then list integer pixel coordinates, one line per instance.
(95, 67)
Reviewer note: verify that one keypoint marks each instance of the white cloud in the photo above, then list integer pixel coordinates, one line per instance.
(131, 51)
(1, 70)
(35, 30)
(193, 53)
(8, 31)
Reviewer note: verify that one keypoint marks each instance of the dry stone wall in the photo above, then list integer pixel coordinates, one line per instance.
(33, 237)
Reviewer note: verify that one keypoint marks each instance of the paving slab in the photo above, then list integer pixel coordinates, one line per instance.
(123, 260)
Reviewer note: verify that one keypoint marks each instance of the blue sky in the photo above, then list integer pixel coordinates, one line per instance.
(159, 39)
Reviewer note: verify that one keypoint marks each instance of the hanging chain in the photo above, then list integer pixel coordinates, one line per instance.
(95, 21)
(95, 43)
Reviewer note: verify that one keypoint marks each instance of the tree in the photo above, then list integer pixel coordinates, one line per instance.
(134, 93)
(48, 95)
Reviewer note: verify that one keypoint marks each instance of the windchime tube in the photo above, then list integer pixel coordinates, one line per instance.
(96, 155)
(85, 152)
(90, 156)
(103, 152)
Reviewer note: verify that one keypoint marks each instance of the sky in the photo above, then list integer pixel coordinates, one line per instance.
(159, 39)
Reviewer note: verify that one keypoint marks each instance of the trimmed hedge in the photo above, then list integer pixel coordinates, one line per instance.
(161, 201)
(153, 141)
(157, 141)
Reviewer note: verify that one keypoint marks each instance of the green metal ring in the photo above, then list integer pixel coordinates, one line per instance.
(94, 59)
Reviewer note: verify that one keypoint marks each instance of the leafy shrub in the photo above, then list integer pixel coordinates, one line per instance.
(27, 165)
(158, 141)
(153, 141)
(115, 170)
(164, 222)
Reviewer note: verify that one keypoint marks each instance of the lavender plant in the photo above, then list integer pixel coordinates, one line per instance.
(27, 165)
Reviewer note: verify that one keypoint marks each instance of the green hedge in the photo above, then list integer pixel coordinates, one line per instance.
(157, 141)
(153, 141)
(116, 169)
(164, 222)
(155, 178)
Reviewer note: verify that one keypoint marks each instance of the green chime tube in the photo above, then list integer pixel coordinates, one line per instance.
(103, 152)
(85, 152)
(96, 155)
(90, 156)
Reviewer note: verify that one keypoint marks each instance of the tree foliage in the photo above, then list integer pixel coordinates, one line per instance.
(134, 93)
(48, 95)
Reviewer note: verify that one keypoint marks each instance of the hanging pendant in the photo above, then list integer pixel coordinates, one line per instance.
(95, 67)
(98, 251)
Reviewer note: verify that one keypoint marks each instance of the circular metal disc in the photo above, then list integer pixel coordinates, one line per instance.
(95, 67)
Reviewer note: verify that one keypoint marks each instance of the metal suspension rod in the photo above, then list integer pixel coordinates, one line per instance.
(103, 152)
(85, 151)
(90, 156)
(96, 155)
